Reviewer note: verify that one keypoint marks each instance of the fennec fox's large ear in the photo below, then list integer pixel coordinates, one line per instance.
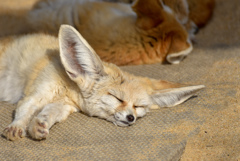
(149, 13)
(174, 96)
(77, 56)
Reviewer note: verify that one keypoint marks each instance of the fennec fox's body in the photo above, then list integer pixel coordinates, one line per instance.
(50, 81)
(148, 31)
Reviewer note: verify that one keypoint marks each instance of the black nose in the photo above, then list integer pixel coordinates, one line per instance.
(130, 118)
(196, 29)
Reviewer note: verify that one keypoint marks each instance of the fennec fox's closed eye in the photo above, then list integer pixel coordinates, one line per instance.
(54, 81)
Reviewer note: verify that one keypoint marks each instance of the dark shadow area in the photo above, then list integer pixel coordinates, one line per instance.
(13, 22)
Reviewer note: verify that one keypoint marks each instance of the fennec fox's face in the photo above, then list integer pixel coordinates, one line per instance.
(120, 101)
(110, 93)
(78, 81)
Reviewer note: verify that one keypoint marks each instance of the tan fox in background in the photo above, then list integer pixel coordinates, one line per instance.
(50, 81)
(148, 31)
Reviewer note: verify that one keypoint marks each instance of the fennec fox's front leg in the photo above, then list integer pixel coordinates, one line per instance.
(51, 114)
(24, 113)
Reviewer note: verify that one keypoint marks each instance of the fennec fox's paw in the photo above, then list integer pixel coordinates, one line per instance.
(38, 128)
(14, 132)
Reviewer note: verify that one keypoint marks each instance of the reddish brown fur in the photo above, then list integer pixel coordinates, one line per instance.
(157, 23)
(201, 11)
(148, 14)
(122, 106)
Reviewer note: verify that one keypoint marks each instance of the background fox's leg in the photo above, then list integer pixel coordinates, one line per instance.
(24, 112)
(51, 114)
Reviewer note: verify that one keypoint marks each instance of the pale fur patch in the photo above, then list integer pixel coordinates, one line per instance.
(176, 58)
(166, 8)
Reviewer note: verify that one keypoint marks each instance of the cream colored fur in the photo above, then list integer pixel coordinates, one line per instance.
(50, 80)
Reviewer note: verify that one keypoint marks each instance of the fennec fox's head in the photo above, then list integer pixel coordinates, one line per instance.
(110, 93)
(158, 22)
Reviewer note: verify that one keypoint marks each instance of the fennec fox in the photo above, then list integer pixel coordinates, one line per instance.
(142, 33)
(50, 81)
(148, 31)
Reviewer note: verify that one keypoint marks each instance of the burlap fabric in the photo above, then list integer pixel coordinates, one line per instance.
(203, 128)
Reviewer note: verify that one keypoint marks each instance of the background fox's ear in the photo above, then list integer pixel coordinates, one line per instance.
(174, 96)
(149, 13)
(77, 56)
(180, 9)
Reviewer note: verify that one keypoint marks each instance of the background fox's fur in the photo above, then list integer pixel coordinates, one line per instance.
(142, 33)
(50, 81)
(198, 11)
